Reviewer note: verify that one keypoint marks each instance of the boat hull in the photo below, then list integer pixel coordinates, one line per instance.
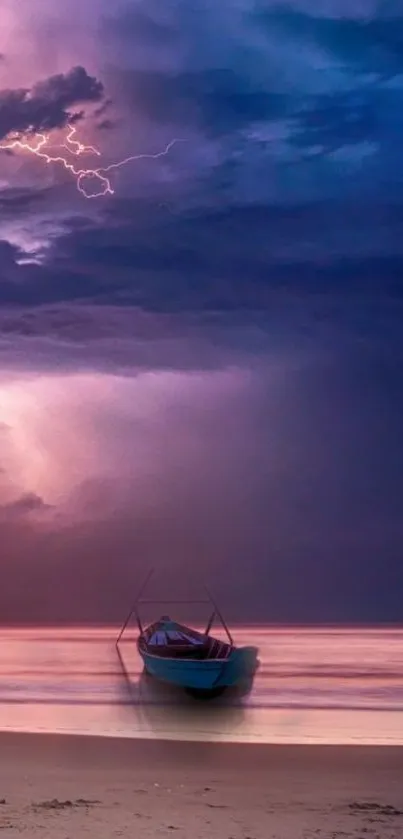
(204, 675)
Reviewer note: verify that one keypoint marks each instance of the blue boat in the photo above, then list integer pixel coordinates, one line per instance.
(196, 661)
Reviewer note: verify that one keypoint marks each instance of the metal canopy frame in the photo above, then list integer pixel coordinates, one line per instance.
(216, 613)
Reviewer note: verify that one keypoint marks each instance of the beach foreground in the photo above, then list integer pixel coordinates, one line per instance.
(64, 786)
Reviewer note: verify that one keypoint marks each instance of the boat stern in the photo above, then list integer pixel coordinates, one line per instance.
(239, 668)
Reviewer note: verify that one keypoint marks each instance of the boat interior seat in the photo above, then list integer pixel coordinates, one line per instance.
(179, 650)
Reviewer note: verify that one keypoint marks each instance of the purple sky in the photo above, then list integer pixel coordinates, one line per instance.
(203, 370)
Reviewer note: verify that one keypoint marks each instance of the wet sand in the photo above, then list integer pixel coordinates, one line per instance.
(66, 786)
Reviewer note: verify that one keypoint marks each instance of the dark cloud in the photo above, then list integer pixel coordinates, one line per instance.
(107, 125)
(337, 119)
(9, 255)
(218, 100)
(239, 259)
(17, 201)
(106, 105)
(349, 118)
(47, 104)
(146, 24)
(127, 338)
(367, 43)
(250, 83)
(21, 507)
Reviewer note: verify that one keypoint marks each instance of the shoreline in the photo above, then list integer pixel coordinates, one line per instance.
(133, 743)
(99, 747)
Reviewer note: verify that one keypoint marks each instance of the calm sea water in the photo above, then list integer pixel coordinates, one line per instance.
(313, 685)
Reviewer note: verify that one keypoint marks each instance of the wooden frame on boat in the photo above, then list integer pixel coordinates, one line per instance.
(216, 613)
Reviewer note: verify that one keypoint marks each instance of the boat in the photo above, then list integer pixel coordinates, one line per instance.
(203, 665)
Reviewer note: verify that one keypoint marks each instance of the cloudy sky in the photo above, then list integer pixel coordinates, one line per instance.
(201, 369)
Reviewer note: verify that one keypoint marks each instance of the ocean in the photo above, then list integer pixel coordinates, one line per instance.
(313, 686)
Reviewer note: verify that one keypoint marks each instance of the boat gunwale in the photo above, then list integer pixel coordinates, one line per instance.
(143, 647)
(187, 659)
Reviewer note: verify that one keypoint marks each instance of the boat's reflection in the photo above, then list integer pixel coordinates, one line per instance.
(165, 709)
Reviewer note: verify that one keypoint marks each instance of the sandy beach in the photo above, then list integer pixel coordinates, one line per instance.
(65, 786)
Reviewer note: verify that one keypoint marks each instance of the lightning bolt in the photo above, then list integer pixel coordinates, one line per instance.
(74, 147)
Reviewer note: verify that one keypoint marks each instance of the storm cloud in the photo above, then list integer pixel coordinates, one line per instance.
(47, 104)
(203, 369)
